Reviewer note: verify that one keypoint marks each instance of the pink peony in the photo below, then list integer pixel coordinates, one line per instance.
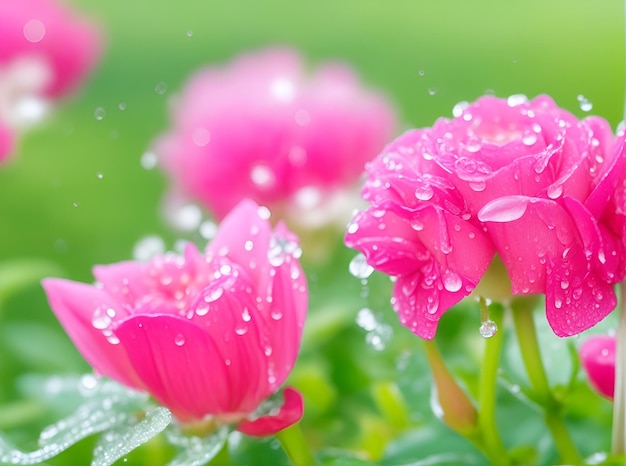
(46, 51)
(525, 179)
(597, 355)
(208, 335)
(260, 127)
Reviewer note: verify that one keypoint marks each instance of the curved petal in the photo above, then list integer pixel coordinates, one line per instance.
(597, 355)
(284, 320)
(229, 312)
(576, 298)
(244, 237)
(128, 281)
(178, 363)
(290, 413)
(74, 304)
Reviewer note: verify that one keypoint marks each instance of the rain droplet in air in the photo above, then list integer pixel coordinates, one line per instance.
(99, 175)
(584, 103)
(488, 328)
(359, 267)
(149, 160)
(122, 106)
(189, 33)
(160, 88)
(147, 247)
(99, 113)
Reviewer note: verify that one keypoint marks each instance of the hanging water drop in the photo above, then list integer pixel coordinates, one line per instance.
(488, 328)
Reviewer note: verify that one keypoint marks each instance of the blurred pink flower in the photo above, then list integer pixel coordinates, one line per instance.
(6, 142)
(46, 51)
(597, 355)
(525, 179)
(211, 334)
(261, 127)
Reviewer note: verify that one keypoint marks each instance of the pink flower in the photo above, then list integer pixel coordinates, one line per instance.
(6, 142)
(522, 178)
(260, 127)
(597, 355)
(211, 334)
(47, 50)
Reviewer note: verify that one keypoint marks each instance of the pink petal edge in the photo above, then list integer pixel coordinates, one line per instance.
(289, 414)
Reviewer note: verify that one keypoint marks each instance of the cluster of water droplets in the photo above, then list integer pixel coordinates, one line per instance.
(378, 333)
(105, 406)
(194, 450)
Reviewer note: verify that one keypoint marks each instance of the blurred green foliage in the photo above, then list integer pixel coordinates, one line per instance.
(76, 195)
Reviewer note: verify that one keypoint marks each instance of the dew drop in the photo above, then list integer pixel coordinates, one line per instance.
(99, 113)
(529, 138)
(179, 340)
(488, 328)
(359, 267)
(101, 319)
(477, 186)
(34, 31)
(432, 91)
(213, 295)
(201, 137)
(451, 281)
(424, 193)
(353, 227)
(122, 106)
(262, 176)
(459, 108)
(276, 314)
(555, 191)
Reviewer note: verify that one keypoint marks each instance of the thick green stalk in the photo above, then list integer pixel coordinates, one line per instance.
(488, 382)
(295, 446)
(531, 355)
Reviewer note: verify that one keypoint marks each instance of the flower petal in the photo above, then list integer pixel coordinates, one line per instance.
(597, 355)
(74, 305)
(179, 364)
(290, 413)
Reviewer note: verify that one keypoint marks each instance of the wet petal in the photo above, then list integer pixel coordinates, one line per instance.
(74, 304)
(290, 413)
(597, 355)
(179, 364)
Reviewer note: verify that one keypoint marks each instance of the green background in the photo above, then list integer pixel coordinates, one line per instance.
(425, 55)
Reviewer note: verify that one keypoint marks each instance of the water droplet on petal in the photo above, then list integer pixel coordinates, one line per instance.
(529, 138)
(101, 319)
(179, 340)
(555, 190)
(213, 295)
(503, 209)
(34, 31)
(488, 328)
(451, 281)
(359, 267)
(516, 99)
(459, 108)
(424, 193)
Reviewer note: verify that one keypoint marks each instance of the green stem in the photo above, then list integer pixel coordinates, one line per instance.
(618, 446)
(531, 355)
(488, 380)
(295, 446)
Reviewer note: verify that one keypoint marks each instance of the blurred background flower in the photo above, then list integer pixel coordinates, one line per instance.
(47, 50)
(264, 127)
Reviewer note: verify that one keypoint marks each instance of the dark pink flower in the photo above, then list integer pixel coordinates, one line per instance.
(261, 127)
(524, 179)
(46, 51)
(207, 334)
(597, 355)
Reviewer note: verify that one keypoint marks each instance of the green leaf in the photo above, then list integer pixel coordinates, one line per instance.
(124, 438)
(196, 451)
